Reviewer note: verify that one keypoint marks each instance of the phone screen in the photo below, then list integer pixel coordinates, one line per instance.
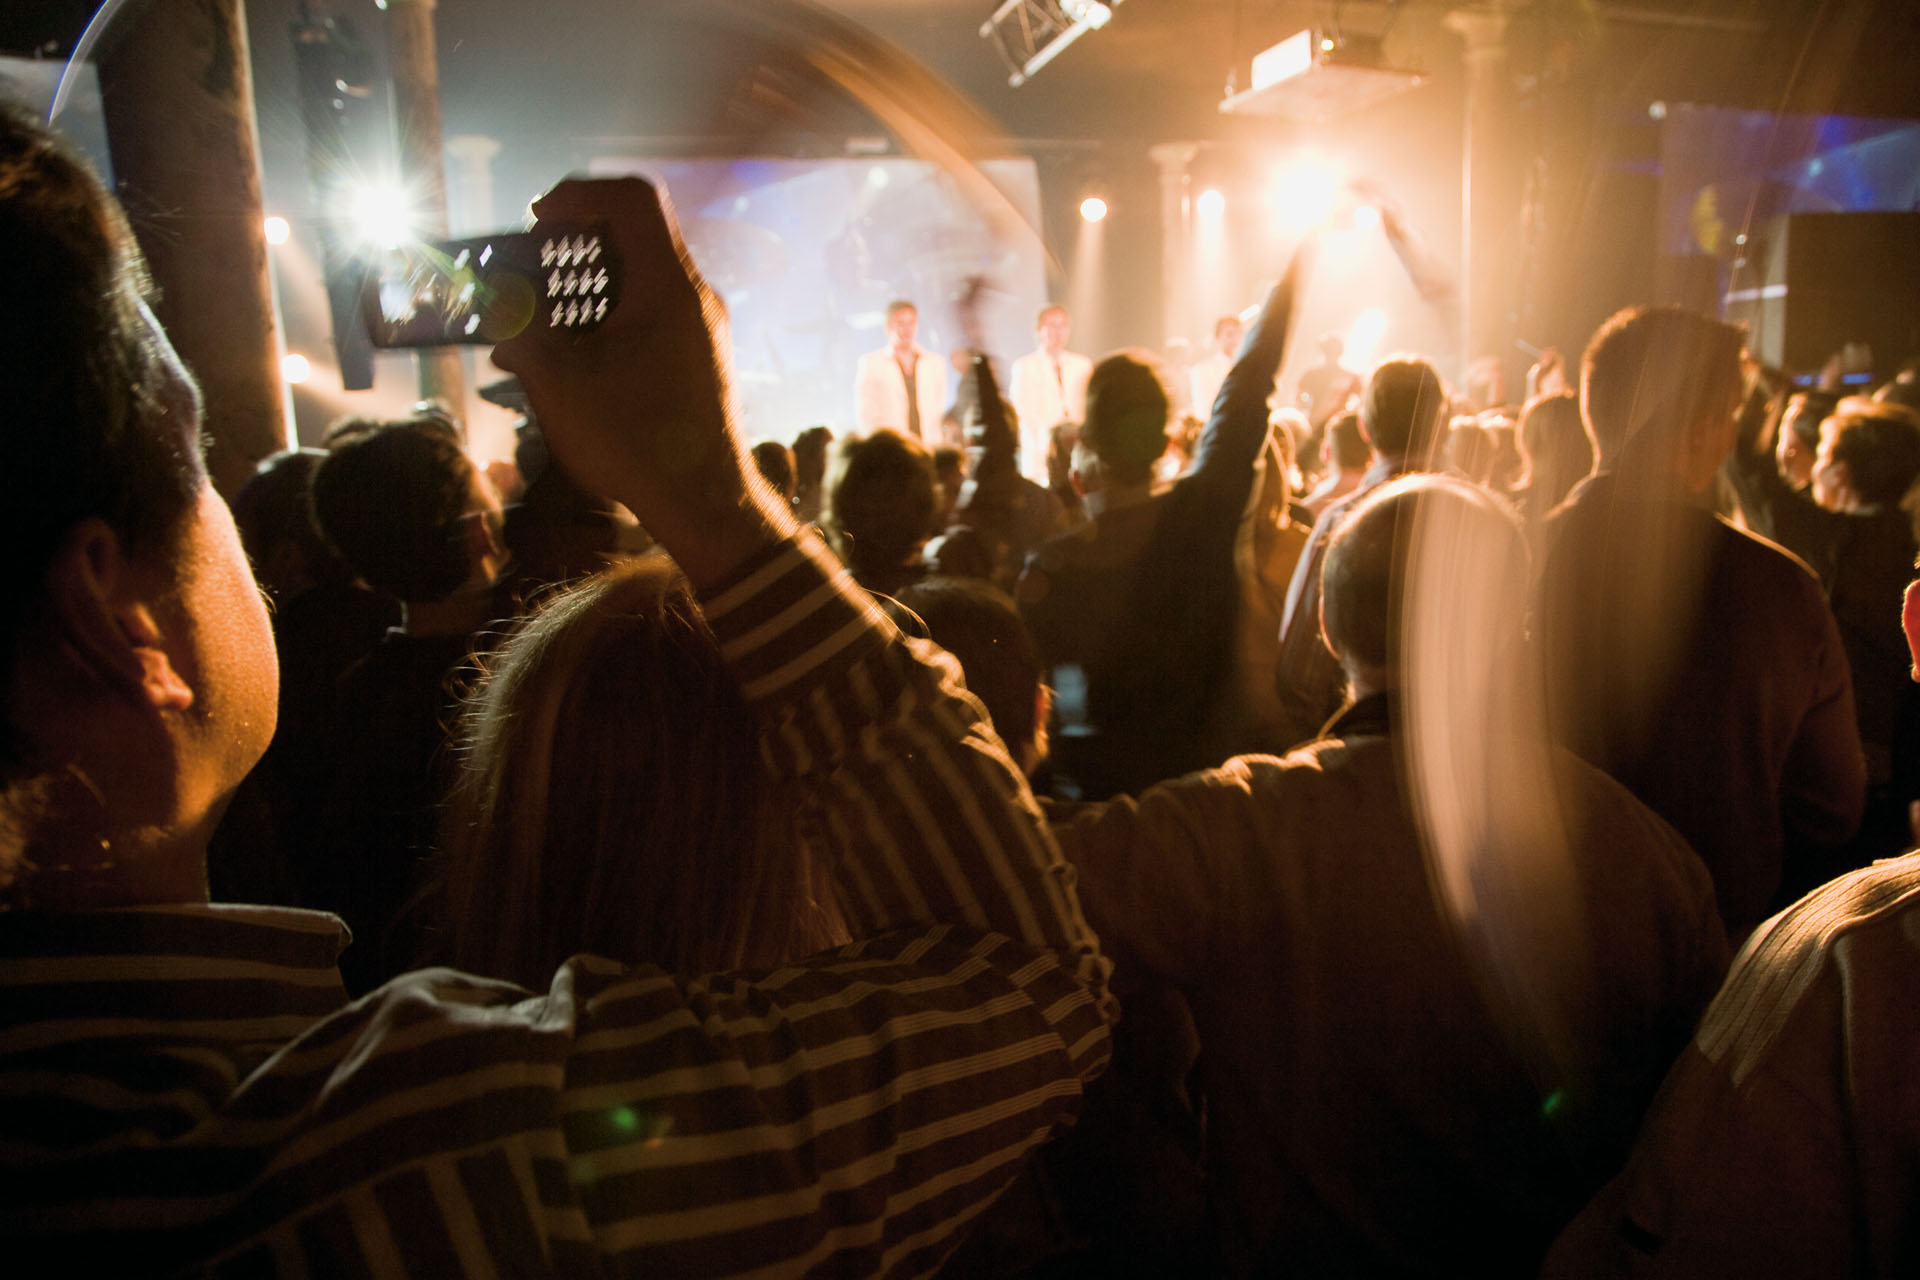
(484, 290)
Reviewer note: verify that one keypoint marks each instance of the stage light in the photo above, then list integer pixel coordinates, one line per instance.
(295, 368)
(380, 215)
(1091, 14)
(277, 229)
(1210, 204)
(1306, 189)
(1366, 217)
(1093, 208)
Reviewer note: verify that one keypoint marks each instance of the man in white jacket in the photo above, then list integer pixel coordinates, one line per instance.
(1049, 387)
(902, 385)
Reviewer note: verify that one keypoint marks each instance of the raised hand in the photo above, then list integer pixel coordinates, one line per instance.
(638, 410)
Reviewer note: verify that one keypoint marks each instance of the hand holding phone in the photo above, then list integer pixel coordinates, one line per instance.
(637, 410)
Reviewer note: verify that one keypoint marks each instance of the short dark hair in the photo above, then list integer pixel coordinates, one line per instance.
(1127, 408)
(880, 501)
(775, 463)
(810, 454)
(1880, 444)
(391, 497)
(1365, 575)
(88, 432)
(1401, 410)
(981, 627)
(898, 305)
(275, 508)
(1350, 449)
(1655, 370)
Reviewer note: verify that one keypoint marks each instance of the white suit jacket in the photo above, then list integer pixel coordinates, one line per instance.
(1044, 398)
(880, 394)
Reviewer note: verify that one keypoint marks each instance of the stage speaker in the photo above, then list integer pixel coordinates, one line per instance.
(1815, 283)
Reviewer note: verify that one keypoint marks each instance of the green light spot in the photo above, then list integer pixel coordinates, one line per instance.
(1552, 1106)
(624, 1119)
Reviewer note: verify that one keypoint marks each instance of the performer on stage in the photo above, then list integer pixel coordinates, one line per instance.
(1049, 387)
(902, 385)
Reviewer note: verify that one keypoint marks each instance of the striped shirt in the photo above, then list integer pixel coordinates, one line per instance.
(187, 1088)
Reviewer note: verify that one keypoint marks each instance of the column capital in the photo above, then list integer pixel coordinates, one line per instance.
(1483, 27)
(1173, 157)
(475, 148)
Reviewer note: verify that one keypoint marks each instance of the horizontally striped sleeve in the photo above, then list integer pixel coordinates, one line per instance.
(927, 817)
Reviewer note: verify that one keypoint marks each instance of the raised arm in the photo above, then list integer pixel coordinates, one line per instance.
(934, 822)
(1237, 429)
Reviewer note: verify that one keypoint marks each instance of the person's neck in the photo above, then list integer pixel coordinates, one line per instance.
(462, 613)
(905, 353)
(75, 866)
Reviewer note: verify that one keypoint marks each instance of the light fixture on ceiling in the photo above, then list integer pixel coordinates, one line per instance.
(1031, 33)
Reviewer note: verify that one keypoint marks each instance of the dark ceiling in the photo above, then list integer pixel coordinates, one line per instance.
(667, 66)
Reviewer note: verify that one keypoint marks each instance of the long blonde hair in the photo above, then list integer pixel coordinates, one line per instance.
(613, 800)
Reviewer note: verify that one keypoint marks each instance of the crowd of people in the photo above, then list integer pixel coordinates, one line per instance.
(1379, 830)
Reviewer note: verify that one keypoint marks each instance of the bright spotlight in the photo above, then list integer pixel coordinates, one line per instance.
(295, 368)
(1093, 208)
(381, 215)
(277, 229)
(1306, 190)
(1366, 217)
(1211, 204)
(1363, 339)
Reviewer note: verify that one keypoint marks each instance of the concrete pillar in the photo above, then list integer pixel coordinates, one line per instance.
(423, 166)
(1489, 212)
(178, 97)
(1174, 159)
(471, 208)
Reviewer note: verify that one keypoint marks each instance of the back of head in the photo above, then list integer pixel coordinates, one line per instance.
(274, 513)
(1127, 411)
(90, 430)
(880, 501)
(1350, 449)
(1879, 443)
(1806, 410)
(774, 461)
(810, 455)
(1401, 410)
(1369, 554)
(613, 800)
(392, 496)
(1652, 378)
(980, 626)
(1557, 450)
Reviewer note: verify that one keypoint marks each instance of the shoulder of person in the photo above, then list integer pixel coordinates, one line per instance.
(1865, 920)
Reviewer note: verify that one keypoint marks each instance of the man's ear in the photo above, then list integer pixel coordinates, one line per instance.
(102, 609)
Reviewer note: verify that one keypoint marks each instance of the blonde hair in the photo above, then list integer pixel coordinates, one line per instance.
(613, 800)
